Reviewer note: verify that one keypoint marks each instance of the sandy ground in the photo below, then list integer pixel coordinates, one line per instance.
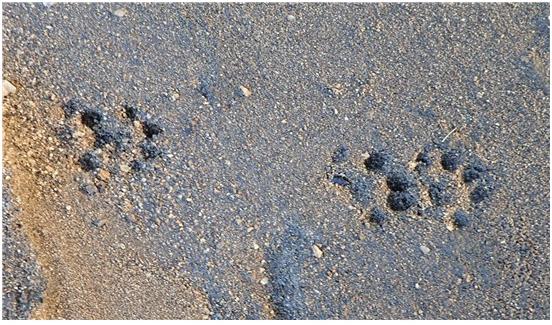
(276, 161)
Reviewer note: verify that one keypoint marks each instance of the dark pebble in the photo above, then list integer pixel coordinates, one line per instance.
(461, 219)
(150, 150)
(378, 216)
(378, 160)
(341, 154)
(451, 160)
(340, 180)
(91, 117)
(151, 129)
(90, 161)
(401, 201)
(400, 181)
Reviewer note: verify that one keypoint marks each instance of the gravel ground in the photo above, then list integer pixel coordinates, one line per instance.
(260, 161)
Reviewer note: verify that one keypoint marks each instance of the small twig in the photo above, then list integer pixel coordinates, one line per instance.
(451, 132)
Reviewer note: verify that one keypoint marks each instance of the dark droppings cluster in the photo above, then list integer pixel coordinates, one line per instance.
(378, 160)
(108, 130)
(406, 187)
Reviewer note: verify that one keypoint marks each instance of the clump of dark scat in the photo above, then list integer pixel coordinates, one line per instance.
(91, 117)
(481, 192)
(150, 150)
(110, 133)
(132, 112)
(377, 216)
(451, 160)
(461, 219)
(378, 160)
(473, 172)
(361, 190)
(151, 129)
(90, 162)
(341, 154)
(438, 193)
(402, 201)
(424, 158)
(400, 181)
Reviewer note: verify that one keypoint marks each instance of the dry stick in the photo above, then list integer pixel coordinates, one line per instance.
(449, 134)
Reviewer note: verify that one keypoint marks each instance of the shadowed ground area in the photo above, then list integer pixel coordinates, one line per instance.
(276, 161)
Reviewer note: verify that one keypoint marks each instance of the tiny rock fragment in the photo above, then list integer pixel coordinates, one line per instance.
(125, 168)
(104, 175)
(317, 251)
(245, 91)
(264, 281)
(121, 12)
(425, 249)
(8, 88)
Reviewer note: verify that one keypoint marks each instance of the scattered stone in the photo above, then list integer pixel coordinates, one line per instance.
(378, 216)
(90, 162)
(245, 91)
(151, 129)
(341, 154)
(340, 180)
(8, 88)
(317, 251)
(175, 97)
(402, 201)
(121, 12)
(125, 168)
(256, 246)
(104, 175)
(290, 18)
(451, 160)
(264, 281)
(89, 189)
(461, 219)
(425, 249)
(377, 160)
(400, 181)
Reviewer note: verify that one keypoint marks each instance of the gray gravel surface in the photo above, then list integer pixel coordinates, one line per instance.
(253, 101)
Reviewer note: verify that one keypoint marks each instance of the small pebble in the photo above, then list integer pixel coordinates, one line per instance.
(425, 249)
(245, 91)
(8, 88)
(451, 160)
(264, 281)
(317, 251)
(121, 12)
